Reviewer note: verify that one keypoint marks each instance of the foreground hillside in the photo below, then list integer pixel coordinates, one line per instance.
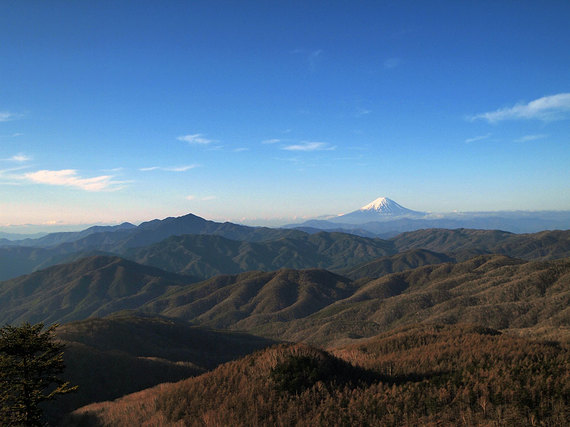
(429, 375)
(110, 357)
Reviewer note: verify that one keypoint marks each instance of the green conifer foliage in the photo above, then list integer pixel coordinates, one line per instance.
(31, 361)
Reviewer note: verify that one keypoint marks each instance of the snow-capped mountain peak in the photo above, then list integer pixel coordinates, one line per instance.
(381, 209)
(384, 205)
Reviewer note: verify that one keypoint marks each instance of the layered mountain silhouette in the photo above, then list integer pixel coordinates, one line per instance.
(386, 218)
(193, 245)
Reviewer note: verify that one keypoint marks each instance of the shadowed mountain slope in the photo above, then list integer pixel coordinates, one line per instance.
(113, 356)
(426, 375)
(207, 256)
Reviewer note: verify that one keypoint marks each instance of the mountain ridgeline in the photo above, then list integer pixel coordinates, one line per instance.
(173, 300)
(194, 246)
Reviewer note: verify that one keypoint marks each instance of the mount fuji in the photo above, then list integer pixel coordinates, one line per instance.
(381, 209)
(385, 218)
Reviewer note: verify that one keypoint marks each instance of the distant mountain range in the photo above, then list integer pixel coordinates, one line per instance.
(137, 302)
(385, 218)
(194, 246)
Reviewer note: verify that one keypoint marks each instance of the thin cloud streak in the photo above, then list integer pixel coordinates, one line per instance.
(527, 138)
(309, 146)
(70, 178)
(204, 199)
(271, 141)
(477, 138)
(169, 169)
(547, 108)
(6, 172)
(6, 116)
(196, 138)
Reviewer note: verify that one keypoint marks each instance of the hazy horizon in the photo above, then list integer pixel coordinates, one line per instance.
(260, 113)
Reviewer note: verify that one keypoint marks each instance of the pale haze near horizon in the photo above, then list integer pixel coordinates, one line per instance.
(267, 113)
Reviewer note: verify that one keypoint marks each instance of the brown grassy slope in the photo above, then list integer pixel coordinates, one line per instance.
(425, 375)
(111, 357)
(407, 260)
(254, 298)
(494, 291)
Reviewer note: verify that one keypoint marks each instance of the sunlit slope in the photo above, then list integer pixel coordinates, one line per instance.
(416, 376)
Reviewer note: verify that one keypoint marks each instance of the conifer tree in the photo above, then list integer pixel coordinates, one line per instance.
(31, 361)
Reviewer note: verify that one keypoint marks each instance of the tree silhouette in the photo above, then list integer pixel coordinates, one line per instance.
(31, 361)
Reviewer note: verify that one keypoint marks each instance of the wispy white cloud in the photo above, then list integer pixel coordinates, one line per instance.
(392, 63)
(169, 168)
(362, 112)
(12, 135)
(196, 138)
(240, 149)
(20, 158)
(204, 199)
(271, 141)
(309, 146)
(7, 172)
(527, 138)
(6, 116)
(477, 138)
(547, 108)
(70, 178)
(180, 168)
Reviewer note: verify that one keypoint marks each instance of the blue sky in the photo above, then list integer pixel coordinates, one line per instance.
(252, 111)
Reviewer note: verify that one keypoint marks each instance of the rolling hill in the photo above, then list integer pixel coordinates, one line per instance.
(92, 286)
(491, 290)
(312, 305)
